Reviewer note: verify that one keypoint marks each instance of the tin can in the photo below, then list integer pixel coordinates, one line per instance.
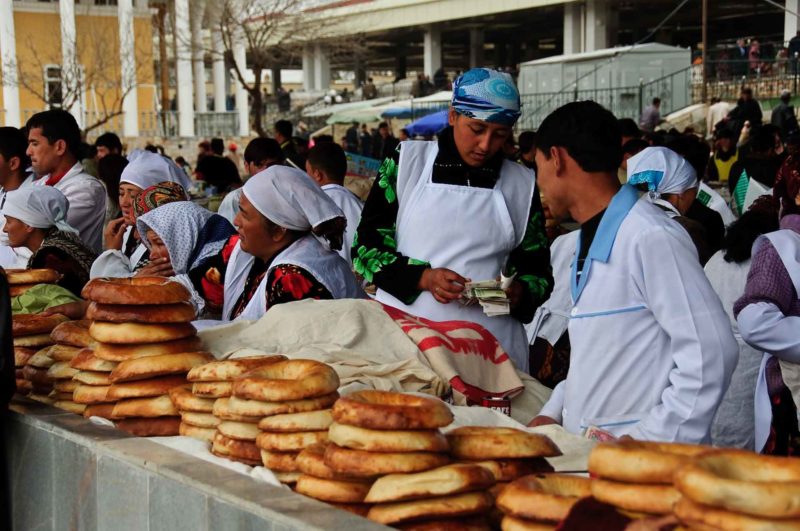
(501, 404)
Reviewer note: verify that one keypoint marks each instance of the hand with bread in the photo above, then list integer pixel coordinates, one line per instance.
(113, 234)
(158, 267)
(445, 285)
(541, 420)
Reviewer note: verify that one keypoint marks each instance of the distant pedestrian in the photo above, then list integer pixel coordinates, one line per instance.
(651, 116)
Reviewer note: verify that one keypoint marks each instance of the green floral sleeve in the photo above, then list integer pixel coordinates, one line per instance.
(375, 255)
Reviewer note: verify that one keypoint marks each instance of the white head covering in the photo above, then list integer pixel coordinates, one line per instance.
(663, 170)
(146, 169)
(40, 207)
(290, 198)
(190, 232)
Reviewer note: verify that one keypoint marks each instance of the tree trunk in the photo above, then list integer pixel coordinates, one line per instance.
(258, 102)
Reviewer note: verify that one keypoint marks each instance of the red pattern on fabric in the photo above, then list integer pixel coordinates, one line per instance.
(441, 335)
(294, 283)
(228, 249)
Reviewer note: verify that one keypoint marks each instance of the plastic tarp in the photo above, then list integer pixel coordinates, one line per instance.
(428, 125)
(341, 107)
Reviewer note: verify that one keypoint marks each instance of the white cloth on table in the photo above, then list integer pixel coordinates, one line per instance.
(734, 422)
(352, 207)
(652, 349)
(87, 204)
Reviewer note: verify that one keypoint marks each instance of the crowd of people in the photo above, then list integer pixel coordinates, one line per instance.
(664, 316)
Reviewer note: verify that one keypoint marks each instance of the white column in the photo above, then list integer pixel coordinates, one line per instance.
(596, 25)
(198, 53)
(8, 65)
(242, 106)
(218, 74)
(127, 61)
(790, 22)
(475, 48)
(322, 68)
(308, 69)
(183, 62)
(70, 72)
(573, 31)
(433, 50)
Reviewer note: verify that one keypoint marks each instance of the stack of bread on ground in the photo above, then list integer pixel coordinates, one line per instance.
(21, 280)
(70, 338)
(212, 384)
(144, 346)
(31, 333)
(289, 401)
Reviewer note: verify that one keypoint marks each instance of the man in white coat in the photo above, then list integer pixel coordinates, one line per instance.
(327, 165)
(652, 348)
(54, 142)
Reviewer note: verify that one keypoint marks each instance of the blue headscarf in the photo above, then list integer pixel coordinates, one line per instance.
(487, 95)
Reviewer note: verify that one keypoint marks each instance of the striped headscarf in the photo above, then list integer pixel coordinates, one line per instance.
(157, 195)
(487, 95)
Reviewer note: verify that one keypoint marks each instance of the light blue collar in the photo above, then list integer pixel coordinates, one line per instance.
(603, 242)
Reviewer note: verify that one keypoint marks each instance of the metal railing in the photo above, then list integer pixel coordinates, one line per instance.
(222, 124)
(624, 102)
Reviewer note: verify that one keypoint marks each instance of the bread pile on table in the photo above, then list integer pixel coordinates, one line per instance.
(144, 347)
(31, 338)
(70, 338)
(201, 415)
(291, 400)
(540, 501)
(735, 489)
(374, 433)
(637, 476)
(21, 280)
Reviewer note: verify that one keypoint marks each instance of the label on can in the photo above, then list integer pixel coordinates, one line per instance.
(501, 404)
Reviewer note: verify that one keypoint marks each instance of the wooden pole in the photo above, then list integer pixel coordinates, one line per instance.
(705, 49)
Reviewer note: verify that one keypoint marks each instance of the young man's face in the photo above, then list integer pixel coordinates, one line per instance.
(551, 185)
(477, 141)
(45, 156)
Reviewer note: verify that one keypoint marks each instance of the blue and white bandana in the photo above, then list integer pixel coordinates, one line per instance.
(487, 95)
(662, 170)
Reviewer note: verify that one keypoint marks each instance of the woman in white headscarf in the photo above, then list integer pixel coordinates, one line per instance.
(125, 253)
(36, 219)
(277, 256)
(671, 184)
(183, 237)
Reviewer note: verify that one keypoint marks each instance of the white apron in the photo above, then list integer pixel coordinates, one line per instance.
(327, 267)
(468, 230)
(787, 243)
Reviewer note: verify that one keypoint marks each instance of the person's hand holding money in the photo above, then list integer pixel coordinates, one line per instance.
(445, 285)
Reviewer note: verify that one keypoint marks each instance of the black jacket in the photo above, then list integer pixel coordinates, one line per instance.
(8, 383)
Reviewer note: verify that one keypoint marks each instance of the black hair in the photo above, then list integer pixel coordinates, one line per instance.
(628, 127)
(58, 124)
(284, 127)
(741, 234)
(14, 144)
(726, 132)
(217, 146)
(382, 125)
(762, 139)
(656, 101)
(321, 139)
(110, 141)
(526, 141)
(634, 146)
(109, 170)
(693, 149)
(329, 158)
(748, 91)
(151, 148)
(262, 149)
(589, 132)
(220, 172)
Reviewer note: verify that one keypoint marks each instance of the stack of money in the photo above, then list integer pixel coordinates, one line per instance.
(489, 294)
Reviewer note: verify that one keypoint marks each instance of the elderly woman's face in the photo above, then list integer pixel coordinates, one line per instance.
(477, 141)
(127, 195)
(157, 247)
(252, 228)
(18, 232)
